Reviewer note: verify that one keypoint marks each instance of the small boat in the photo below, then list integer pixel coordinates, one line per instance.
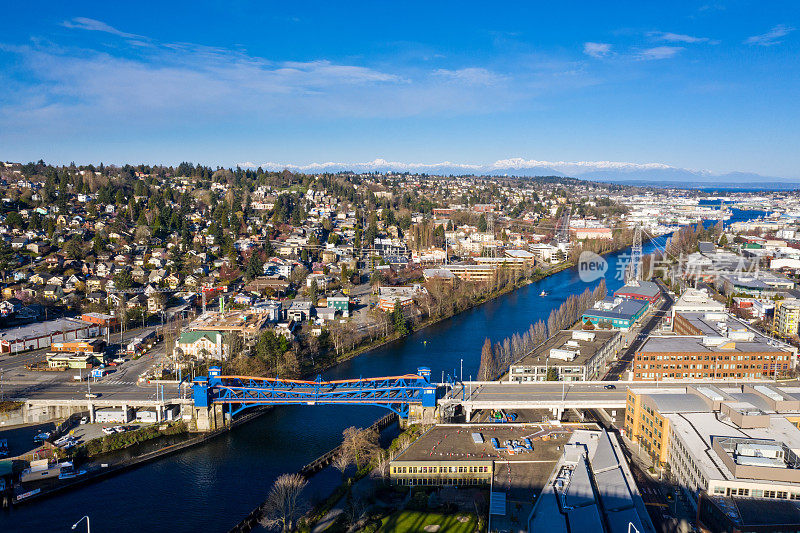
(543, 293)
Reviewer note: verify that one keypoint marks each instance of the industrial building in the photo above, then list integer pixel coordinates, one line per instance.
(696, 301)
(591, 489)
(42, 334)
(640, 290)
(616, 313)
(571, 355)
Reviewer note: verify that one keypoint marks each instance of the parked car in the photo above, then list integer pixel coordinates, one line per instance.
(40, 437)
(108, 431)
(84, 420)
(119, 429)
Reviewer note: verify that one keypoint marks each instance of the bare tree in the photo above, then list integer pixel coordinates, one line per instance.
(356, 508)
(284, 504)
(382, 461)
(341, 461)
(360, 444)
(486, 370)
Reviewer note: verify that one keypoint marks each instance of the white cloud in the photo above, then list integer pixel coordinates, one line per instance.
(773, 36)
(83, 23)
(679, 38)
(659, 52)
(596, 49)
(471, 76)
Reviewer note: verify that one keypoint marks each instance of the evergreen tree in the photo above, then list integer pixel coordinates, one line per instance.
(399, 319)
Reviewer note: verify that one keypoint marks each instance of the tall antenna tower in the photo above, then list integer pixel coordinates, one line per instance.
(490, 229)
(635, 270)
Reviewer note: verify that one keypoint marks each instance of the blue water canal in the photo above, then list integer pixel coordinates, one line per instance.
(212, 486)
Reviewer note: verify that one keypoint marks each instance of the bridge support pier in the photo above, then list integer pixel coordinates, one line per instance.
(91, 412)
(468, 415)
(207, 418)
(558, 412)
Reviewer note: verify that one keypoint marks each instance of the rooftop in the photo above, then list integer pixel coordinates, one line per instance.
(590, 489)
(568, 348)
(616, 308)
(43, 329)
(647, 289)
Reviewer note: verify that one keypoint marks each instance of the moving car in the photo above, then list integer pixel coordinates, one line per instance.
(610, 387)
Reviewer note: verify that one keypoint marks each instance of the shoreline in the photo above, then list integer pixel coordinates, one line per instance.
(361, 350)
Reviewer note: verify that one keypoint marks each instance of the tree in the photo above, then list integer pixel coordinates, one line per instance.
(284, 504)
(360, 444)
(254, 266)
(313, 290)
(486, 370)
(74, 248)
(341, 461)
(123, 279)
(552, 374)
(482, 224)
(399, 319)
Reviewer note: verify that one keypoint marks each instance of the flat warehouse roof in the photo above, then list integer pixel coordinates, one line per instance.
(587, 348)
(694, 343)
(43, 329)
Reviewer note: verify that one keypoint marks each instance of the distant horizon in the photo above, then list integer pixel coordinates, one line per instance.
(603, 171)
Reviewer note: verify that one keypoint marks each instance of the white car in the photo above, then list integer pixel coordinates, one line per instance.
(84, 420)
(119, 429)
(108, 431)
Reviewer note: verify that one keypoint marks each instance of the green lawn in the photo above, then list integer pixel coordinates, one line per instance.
(414, 521)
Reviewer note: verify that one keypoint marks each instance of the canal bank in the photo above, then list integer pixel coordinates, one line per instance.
(212, 486)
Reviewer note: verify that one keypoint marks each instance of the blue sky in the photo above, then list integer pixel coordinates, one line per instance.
(695, 85)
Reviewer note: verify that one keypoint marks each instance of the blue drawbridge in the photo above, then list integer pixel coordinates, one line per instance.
(236, 393)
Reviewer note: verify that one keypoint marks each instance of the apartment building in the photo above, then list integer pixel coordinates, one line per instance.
(786, 317)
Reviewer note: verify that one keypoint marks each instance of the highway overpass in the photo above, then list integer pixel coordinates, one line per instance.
(558, 396)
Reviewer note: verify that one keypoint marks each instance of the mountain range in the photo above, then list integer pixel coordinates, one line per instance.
(648, 174)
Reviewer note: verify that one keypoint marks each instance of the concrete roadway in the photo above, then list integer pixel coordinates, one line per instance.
(543, 391)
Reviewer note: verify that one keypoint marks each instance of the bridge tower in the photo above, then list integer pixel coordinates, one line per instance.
(635, 266)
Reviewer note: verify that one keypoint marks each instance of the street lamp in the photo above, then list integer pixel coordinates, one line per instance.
(88, 529)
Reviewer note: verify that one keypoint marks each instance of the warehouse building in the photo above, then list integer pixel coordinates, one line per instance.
(616, 313)
(569, 355)
(42, 334)
(640, 290)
